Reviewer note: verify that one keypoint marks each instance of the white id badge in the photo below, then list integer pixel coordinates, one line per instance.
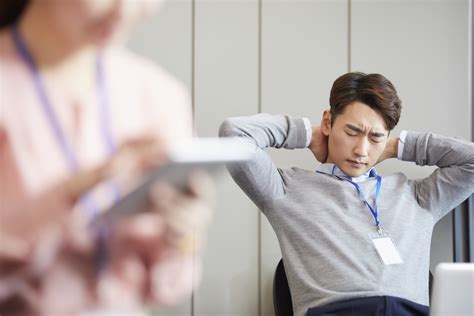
(386, 249)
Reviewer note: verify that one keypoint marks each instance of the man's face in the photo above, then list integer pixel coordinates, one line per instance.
(357, 138)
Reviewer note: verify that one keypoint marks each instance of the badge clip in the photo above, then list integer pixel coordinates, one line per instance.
(379, 230)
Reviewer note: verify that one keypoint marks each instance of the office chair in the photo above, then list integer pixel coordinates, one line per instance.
(282, 302)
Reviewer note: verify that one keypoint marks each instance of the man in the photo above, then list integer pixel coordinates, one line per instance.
(352, 242)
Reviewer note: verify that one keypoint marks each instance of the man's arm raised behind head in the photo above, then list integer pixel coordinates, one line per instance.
(259, 178)
(452, 182)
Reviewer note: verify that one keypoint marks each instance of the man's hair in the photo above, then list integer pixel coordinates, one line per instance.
(374, 90)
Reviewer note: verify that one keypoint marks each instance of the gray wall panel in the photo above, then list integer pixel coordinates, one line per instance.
(226, 84)
(166, 39)
(304, 49)
(422, 47)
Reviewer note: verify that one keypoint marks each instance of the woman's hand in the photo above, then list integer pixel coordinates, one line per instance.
(59, 276)
(131, 160)
(152, 255)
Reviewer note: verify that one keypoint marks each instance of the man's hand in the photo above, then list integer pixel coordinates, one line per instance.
(319, 145)
(391, 149)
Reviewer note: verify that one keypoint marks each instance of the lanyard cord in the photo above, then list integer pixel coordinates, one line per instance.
(46, 105)
(373, 209)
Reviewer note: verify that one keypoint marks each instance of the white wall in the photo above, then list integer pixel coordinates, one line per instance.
(240, 57)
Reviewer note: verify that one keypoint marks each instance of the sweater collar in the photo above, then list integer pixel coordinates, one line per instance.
(330, 168)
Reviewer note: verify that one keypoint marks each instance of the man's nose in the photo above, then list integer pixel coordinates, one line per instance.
(361, 148)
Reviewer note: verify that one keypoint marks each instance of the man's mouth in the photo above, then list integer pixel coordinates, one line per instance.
(357, 164)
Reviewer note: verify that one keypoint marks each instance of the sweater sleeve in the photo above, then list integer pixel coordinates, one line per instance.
(452, 182)
(259, 178)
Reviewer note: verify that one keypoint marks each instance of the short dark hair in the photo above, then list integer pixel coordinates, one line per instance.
(373, 90)
(11, 10)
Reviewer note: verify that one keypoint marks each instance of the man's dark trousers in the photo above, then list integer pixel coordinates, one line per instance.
(371, 306)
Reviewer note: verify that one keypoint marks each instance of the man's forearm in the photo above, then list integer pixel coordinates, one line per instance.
(266, 130)
(453, 181)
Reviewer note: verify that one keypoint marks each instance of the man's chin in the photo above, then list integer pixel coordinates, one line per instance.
(355, 172)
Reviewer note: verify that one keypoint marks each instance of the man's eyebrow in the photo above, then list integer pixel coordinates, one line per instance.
(377, 134)
(359, 130)
(354, 128)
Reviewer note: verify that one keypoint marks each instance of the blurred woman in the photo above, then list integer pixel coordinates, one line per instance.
(81, 119)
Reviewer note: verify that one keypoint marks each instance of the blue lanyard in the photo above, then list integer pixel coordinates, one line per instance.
(86, 201)
(373, 209)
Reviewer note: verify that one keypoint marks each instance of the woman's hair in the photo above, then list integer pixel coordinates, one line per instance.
(10, 11)
(374, 90)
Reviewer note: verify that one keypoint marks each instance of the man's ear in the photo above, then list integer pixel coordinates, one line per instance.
(326, 123)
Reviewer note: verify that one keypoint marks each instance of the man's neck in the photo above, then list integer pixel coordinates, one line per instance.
(329, 159)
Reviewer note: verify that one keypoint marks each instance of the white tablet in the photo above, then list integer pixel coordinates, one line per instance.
(453, 290)
(203, 154)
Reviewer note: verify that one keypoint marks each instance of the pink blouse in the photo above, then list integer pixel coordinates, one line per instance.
(143, 98)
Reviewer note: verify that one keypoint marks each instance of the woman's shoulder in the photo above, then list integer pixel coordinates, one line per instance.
(154, 83)
(139, 80)
(135, 67)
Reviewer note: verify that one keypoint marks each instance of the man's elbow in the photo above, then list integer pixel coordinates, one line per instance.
(228, 128)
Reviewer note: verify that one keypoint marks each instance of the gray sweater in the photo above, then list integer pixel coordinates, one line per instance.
(323, 227)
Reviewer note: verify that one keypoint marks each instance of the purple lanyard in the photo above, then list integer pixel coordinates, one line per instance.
(86, 201)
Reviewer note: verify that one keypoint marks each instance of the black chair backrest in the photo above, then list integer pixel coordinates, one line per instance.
(281, 292)
(430, 285)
